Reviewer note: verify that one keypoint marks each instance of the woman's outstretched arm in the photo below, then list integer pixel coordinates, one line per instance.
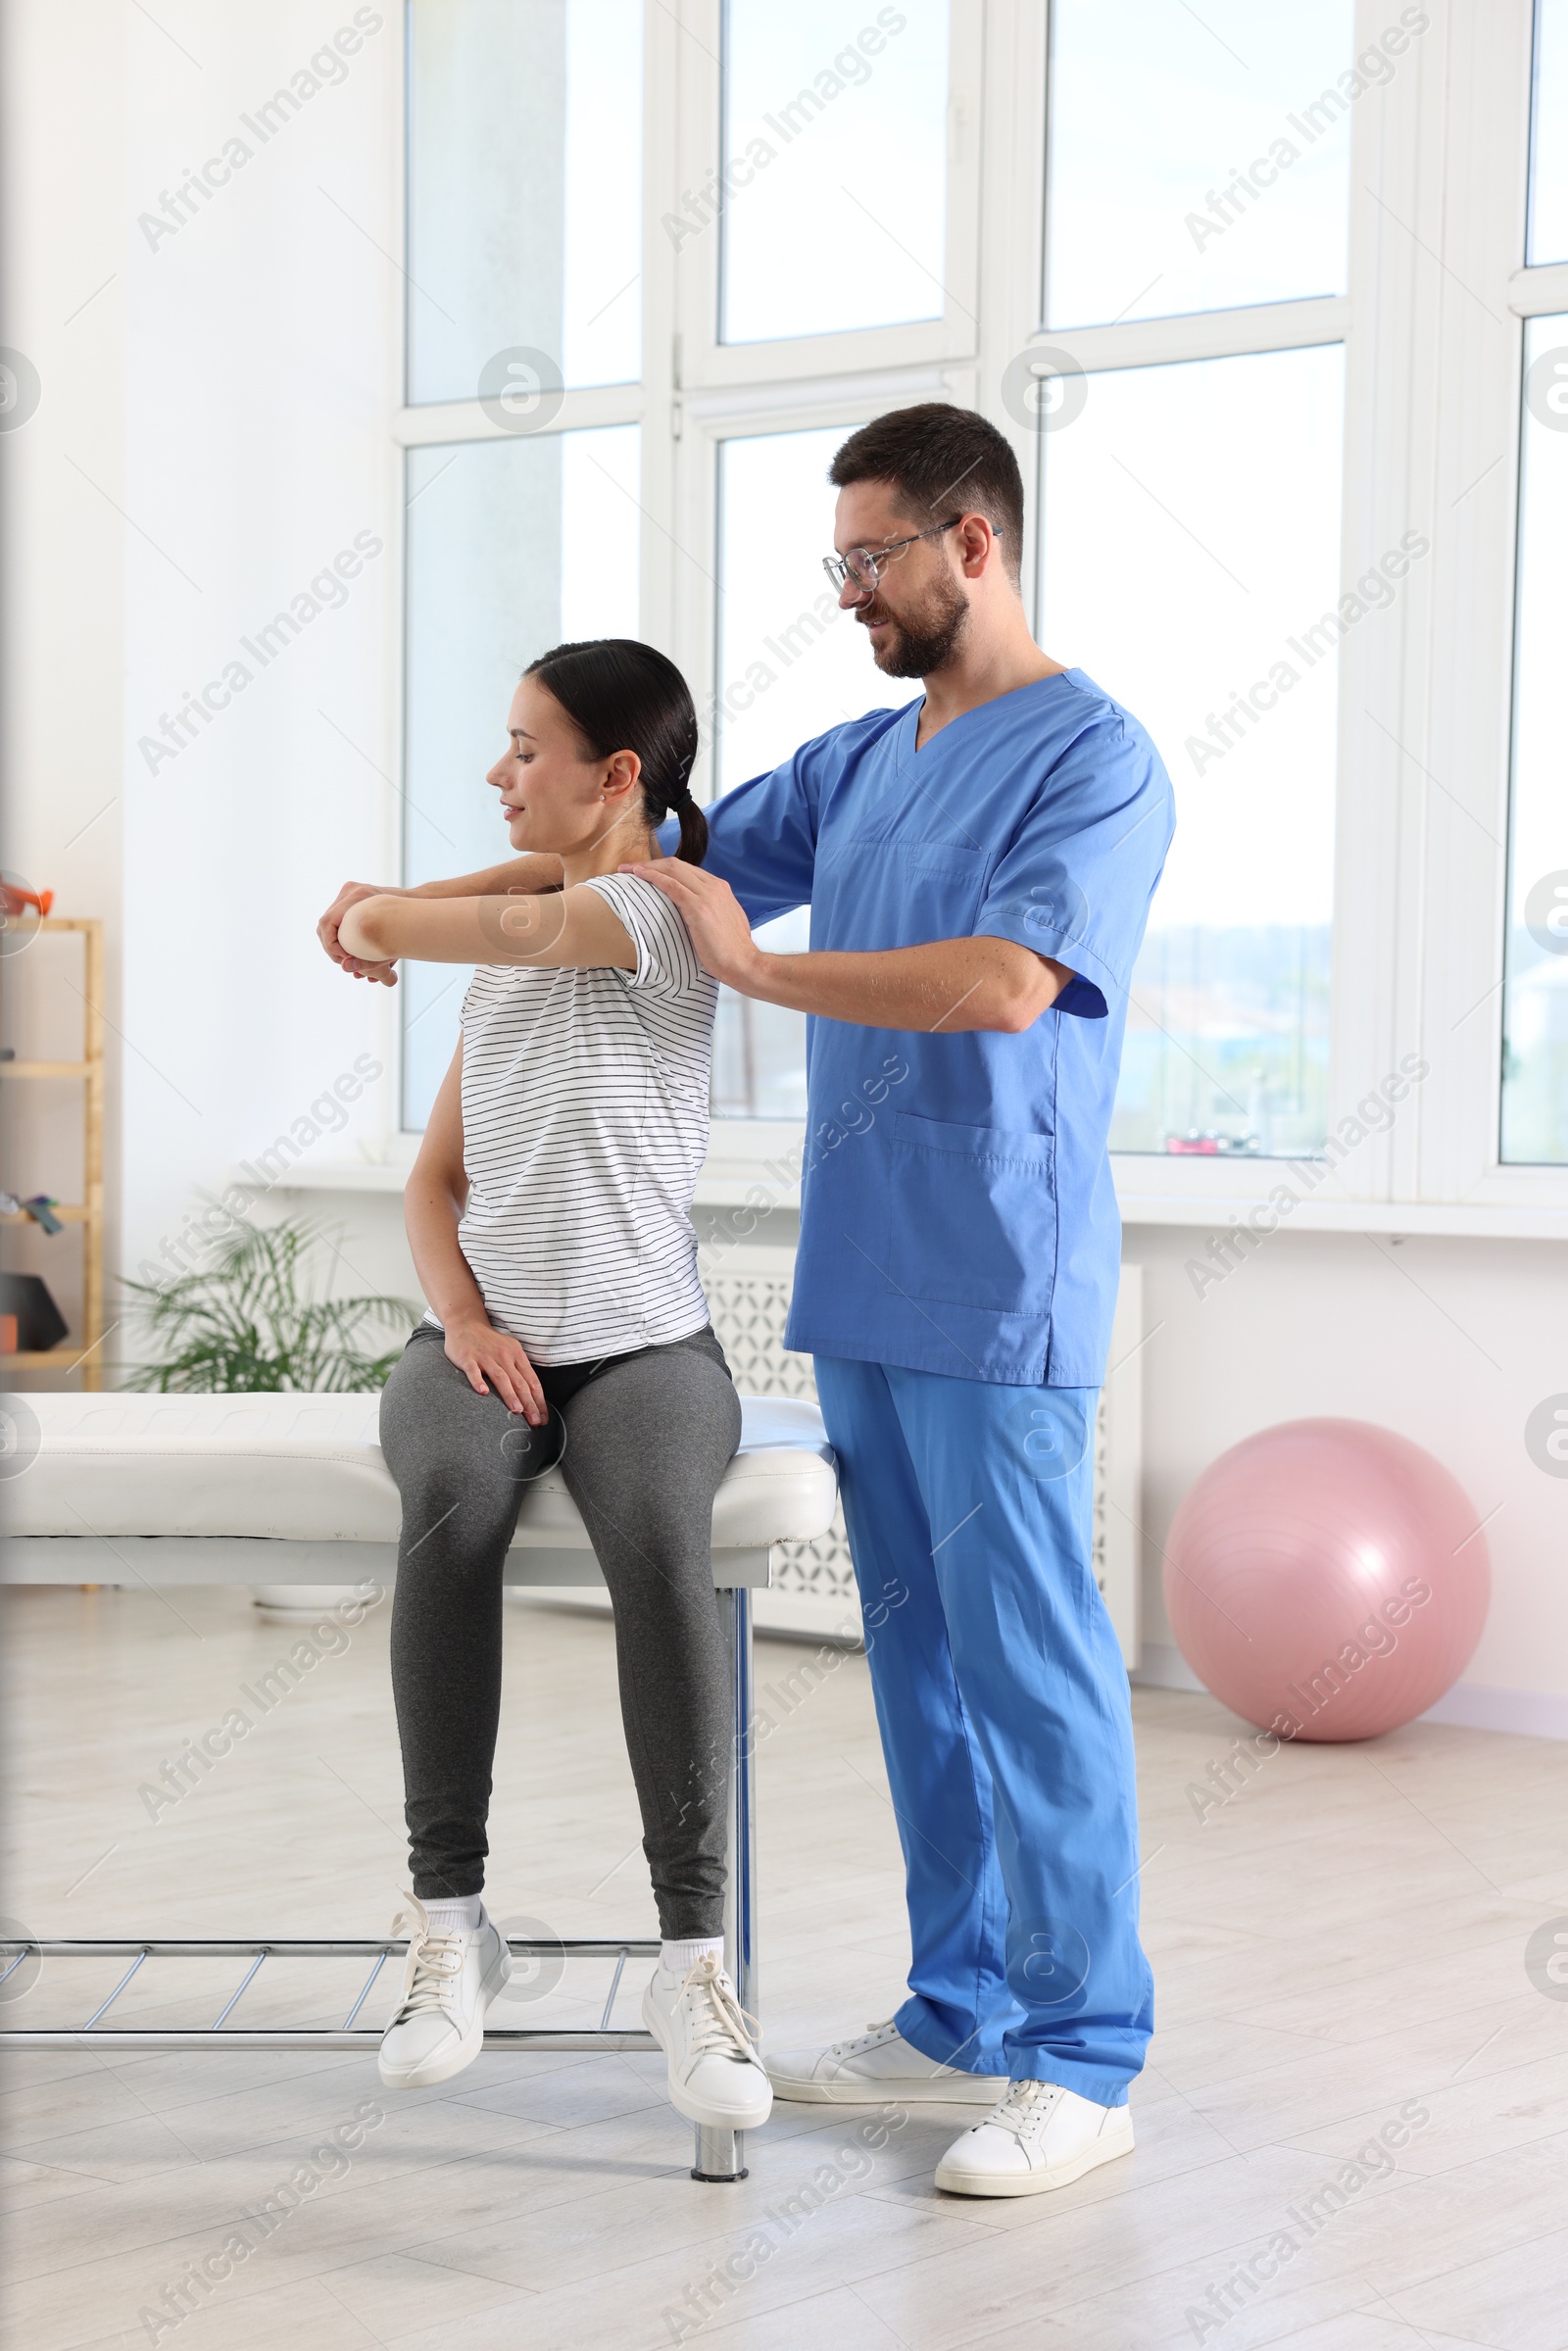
(434, 1201)
(537, 871)
(568, 927)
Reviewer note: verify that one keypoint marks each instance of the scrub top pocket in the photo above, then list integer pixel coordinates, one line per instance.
(974, 1215)
(896, 892)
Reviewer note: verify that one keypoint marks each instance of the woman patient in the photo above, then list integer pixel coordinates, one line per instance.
(548, 1212)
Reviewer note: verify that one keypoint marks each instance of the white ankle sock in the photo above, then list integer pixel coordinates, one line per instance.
(676, 1959)
(460, 1915)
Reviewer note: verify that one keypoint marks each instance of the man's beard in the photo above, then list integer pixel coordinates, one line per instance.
(926, 641)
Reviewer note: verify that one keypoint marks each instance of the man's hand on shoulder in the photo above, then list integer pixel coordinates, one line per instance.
(713, 918)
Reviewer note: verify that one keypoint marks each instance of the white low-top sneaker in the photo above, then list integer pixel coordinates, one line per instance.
(715, 2076)
(875, 2065)
(1040, 2136)
(448, 1984)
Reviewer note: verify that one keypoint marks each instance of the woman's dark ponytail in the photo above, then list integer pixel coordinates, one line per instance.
(692, 846)
(621, 694)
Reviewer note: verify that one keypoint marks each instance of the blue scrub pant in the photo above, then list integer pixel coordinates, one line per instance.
(1001, 1699)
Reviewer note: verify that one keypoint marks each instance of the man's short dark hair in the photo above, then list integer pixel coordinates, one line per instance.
(940, 458)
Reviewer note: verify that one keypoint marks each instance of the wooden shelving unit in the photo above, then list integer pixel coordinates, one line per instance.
(89, 1212)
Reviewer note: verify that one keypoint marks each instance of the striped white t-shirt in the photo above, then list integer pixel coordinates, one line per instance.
(584, 1126)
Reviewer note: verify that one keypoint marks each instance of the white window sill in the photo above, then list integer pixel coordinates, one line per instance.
(729, 1181)
(337, 1175)
(1461, 1221)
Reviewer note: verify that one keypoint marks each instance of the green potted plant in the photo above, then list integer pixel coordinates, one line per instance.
(259, 1317)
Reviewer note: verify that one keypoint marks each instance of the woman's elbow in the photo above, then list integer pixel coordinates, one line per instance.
(437, 1186)
(363, 932)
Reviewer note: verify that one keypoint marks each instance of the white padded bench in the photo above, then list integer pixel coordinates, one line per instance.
(292, 1491)
(210, 1479)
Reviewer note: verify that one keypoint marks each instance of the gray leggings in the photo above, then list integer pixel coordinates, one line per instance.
(642, 1441)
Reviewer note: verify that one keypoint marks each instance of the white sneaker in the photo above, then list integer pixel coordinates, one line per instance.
(448, 1984)
(1040, 2136)
(715, 2076)
(877, 2063)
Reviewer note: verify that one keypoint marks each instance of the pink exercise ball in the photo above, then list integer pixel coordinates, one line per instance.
(1327, 1578)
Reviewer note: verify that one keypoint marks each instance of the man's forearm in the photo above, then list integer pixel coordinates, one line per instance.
(948, 987)
(530, 874)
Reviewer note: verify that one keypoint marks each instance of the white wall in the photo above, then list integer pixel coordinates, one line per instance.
(230, 391)
(61, 554)
(228, 395)
(262, 370)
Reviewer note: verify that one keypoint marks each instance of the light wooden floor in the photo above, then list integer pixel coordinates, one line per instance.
(1343, 1939)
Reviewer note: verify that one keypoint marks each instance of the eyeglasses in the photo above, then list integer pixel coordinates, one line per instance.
(864, 566)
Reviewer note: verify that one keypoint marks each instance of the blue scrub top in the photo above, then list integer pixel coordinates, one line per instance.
(957, 1207)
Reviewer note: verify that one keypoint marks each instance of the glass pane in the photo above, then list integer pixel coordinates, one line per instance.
(790, 665)
(1535, 1063)
(834, 173)
(1548, 141)
(512, 546)
(1200, 159)
(524, 202)
(1191, 566)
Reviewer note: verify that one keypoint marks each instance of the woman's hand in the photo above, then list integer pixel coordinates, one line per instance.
(327, 930)
(491, 1360)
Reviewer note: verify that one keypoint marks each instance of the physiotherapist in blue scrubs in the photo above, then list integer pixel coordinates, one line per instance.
(979, 867)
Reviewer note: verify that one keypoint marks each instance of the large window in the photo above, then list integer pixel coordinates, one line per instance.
(522, 492)
(1535, 1077)
(1548, 145)
(1221, 634)
(1197, 172)
(512, 545)
(1276, 317)
(835, 137)
(1197, 159)
(1535, 1052)
(788, 665)
(524, 196)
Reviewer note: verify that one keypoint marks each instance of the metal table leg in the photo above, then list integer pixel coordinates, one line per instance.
(720, 2155)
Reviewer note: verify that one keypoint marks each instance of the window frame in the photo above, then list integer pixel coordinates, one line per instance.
(1433, 395)
(708, 365)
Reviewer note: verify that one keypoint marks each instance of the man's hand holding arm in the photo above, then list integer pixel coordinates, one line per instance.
(943, 987)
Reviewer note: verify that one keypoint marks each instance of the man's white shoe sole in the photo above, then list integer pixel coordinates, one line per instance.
(696, 2110)
(454, 2056)
(942, 2090)
(1114, 2140)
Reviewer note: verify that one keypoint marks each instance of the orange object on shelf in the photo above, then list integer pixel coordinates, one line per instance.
(17, 898)
(8, 1334)
(82, 1358)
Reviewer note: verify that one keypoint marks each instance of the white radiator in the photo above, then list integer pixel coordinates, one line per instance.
(814, 1590)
